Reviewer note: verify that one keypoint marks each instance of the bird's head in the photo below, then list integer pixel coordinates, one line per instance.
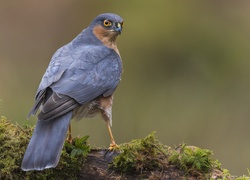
(107, 26)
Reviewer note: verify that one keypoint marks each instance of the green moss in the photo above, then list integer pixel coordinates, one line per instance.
(13, 142)
(138, 155)
(191, 159)
(145, 156)
(148, 155)
(244, 177)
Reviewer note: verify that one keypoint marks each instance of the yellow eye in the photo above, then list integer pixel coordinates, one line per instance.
(107, 23)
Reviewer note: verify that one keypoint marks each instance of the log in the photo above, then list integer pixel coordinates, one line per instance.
(145, 158)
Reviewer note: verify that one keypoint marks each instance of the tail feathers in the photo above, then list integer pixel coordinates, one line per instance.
(45, 146)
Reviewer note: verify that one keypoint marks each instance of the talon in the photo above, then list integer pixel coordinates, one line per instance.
(113, 147)
(70, 140)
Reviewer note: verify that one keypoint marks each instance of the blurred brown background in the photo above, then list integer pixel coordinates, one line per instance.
(186, 69)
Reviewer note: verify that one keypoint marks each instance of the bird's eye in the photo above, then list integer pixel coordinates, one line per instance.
(107, 23)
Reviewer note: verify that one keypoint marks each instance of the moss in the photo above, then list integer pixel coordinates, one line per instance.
(13, 142)
(150, 157)
(139, 155)
(244, 177)
(148, 153)
(146, 157)
(192, 159)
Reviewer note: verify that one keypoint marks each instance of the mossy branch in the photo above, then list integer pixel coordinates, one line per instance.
(145, 158)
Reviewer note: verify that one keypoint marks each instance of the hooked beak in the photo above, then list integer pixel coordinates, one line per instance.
(118, 28)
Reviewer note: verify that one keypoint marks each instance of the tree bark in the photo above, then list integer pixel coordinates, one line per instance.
(97, 166)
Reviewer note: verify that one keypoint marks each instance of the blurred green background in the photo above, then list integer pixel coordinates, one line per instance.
(186, 69)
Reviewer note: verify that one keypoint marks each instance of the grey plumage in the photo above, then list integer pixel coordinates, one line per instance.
(79, 73)
(45, 146)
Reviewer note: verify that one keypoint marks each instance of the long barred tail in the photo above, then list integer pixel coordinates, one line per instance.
(45, 146)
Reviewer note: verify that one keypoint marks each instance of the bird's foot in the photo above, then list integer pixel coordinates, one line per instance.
(69, 139)
(113, 147)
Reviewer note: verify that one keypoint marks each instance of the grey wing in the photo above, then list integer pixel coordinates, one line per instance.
(79, 80)
(58, 65)
(84, 85)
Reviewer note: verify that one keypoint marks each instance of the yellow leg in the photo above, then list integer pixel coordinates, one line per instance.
(112, 145)
(69, 139)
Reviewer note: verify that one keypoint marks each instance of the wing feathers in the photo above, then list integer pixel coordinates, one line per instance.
(57, 105)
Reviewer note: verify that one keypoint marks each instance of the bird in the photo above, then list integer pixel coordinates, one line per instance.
(79, 82)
